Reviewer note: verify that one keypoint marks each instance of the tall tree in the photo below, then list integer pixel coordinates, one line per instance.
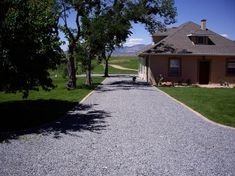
(80, 9)
(72, 35)
(154, 14)
(114, 22)
(113, 32)
(29, 45)
(91, 25)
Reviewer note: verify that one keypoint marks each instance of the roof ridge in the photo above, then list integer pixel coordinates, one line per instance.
(177, 39)
(228, 40)
(180, 27)
(146, 48)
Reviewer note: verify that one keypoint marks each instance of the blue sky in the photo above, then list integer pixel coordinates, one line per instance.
(220, 16)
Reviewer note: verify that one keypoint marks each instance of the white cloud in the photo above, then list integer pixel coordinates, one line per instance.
(134, 41)
(224, 35)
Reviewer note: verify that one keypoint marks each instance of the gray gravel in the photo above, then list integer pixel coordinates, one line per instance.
(123, 129)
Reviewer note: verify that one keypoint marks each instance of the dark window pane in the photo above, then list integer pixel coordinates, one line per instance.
(174, 67)
(231, 67)
(200, 40)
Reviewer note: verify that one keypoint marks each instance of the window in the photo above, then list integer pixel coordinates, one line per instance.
(201, 40)
(174, 67)
(231, 67)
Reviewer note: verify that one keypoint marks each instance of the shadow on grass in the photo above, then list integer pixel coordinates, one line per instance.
(92, 87)
(48, 117)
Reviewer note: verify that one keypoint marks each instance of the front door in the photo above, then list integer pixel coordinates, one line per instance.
(204, 72)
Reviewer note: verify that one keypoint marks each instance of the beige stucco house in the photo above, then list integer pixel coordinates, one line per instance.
(189, 52)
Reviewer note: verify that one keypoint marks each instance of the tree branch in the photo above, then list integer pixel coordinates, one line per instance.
(78, 27)
(66, 24)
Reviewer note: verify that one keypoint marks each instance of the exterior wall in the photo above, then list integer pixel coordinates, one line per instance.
(218, 70)
(189, 69)
(142, 69)
(159, 65)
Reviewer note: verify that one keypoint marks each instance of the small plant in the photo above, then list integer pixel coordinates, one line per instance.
(224, 83)
(221, 82)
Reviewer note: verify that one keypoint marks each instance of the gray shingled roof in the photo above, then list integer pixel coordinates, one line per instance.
(177, 42)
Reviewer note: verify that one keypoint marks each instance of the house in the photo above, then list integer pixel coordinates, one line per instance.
(188, 53)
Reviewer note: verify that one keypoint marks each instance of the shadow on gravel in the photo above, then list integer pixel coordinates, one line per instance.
(124, 85)
(48, 117)
(121, 75)
(129, 83)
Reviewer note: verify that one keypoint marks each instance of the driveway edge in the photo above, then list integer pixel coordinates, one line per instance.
(195, 112)
(91, 92)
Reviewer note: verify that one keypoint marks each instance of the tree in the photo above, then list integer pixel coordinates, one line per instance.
(72, 36)
(113, 24)
(81, 9)
(154, 14)
(90, 31)
(29, 45)
(114, 30)
(116, 24)
(91, 25)
(85, 56)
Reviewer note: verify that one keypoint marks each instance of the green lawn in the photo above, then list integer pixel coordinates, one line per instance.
(216, 104)
(125, 61)
(99, 69)
(59, 93)
(41, 106)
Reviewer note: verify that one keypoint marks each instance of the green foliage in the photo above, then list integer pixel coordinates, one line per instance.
(103, 25)
(29, 45)
(29, 37)
(111, 30)
(216, 104)
(154, 14)
(111, 26)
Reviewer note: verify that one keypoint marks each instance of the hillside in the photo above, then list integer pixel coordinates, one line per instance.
(128, 50)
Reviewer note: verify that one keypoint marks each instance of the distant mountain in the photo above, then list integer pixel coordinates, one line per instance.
(128, 50)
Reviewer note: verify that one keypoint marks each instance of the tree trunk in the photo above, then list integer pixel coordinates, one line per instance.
(106, 68)
(71, 70)
(88, 73)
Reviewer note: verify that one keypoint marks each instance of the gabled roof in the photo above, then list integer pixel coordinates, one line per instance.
(177, 42)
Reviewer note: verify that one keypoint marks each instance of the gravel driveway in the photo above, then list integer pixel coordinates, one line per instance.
(123, 129)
